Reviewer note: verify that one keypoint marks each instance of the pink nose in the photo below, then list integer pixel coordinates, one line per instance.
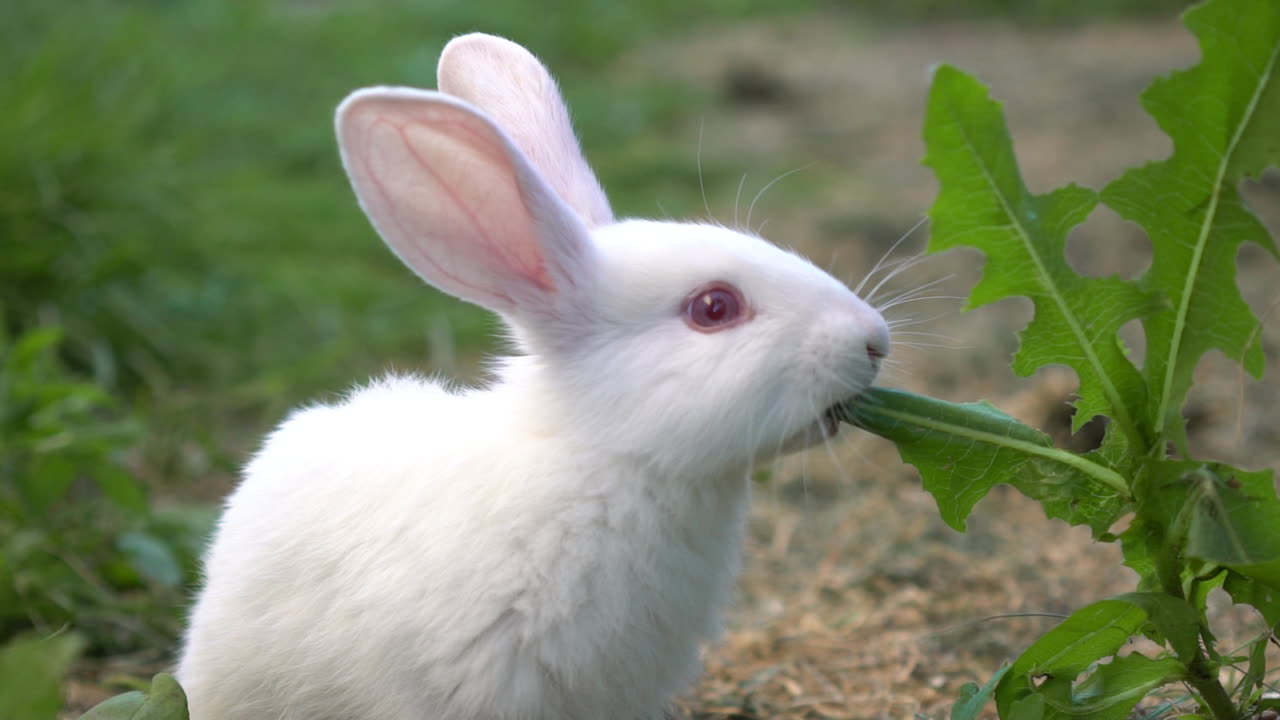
(878, 339)
(872, 324)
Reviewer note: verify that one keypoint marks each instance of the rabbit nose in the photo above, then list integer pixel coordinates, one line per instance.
(878, 343)
(872, 327)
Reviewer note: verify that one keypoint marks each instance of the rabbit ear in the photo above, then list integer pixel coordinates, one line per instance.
(459, 203)
(510, 85)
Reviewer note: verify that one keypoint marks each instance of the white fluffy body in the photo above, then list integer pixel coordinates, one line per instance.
(555, 545)
(380, 562)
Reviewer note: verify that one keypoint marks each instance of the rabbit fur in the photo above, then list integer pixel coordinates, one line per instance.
(558, 543)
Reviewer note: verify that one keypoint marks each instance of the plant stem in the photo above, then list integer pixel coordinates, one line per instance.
(949, 426)
(1206, 682)
(1200, 675)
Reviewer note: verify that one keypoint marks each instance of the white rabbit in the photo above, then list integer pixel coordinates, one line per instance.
(557, 544)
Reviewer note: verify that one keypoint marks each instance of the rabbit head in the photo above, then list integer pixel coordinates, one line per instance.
(690, 346)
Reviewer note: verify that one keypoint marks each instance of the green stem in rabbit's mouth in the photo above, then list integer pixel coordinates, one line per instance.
(962, 450)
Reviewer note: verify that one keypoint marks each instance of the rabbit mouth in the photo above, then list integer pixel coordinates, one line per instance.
(822, 429)
(829, 422)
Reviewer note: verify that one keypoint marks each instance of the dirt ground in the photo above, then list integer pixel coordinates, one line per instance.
(856, 601)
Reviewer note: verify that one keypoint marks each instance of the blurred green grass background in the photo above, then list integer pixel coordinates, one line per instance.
(181, 259)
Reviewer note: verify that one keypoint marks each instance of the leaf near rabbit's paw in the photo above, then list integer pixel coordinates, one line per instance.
(165, 701)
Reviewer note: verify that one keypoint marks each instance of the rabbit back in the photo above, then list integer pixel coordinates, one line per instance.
(378, 561)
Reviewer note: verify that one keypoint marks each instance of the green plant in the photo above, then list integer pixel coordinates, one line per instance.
(164, 701)
(1193, 525)
(31, 672)
(79, 542)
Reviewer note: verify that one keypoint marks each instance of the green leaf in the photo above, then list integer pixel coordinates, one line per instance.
(32, 347)
(1114, 689)
(1141, 543)
(962, 451)
(1174, 621)
(984, 204)
(1095, 632)
(973, 699)
(165, 701)
(1255, 677)
(151, 557)
(122, 488)
(1245, 591)
(47, 482)
(1235, 522)
(1091, 633)
(31, 672)
(124, 706)
(1222, 116)
(1221, 515)
(1030, 707)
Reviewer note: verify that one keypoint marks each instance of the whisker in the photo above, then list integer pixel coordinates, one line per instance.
(804, 473)
(895, 264)
(870, 400)
(918, 299)
(924, 333)
(930, 345)
(770, 184)
(827, 445)
(849, 387)
(775, 471)
(917, 290)
(736, 198)
(908, 322)
(905, 265)
(701, 187)
(887, 253)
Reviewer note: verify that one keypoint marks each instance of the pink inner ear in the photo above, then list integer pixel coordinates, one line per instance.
(444, 192)
(512, 87)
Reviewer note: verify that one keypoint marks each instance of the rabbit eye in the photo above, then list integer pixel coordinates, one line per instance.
(714, 308)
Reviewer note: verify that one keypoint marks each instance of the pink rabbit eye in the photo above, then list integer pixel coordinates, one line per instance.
(714, 308)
